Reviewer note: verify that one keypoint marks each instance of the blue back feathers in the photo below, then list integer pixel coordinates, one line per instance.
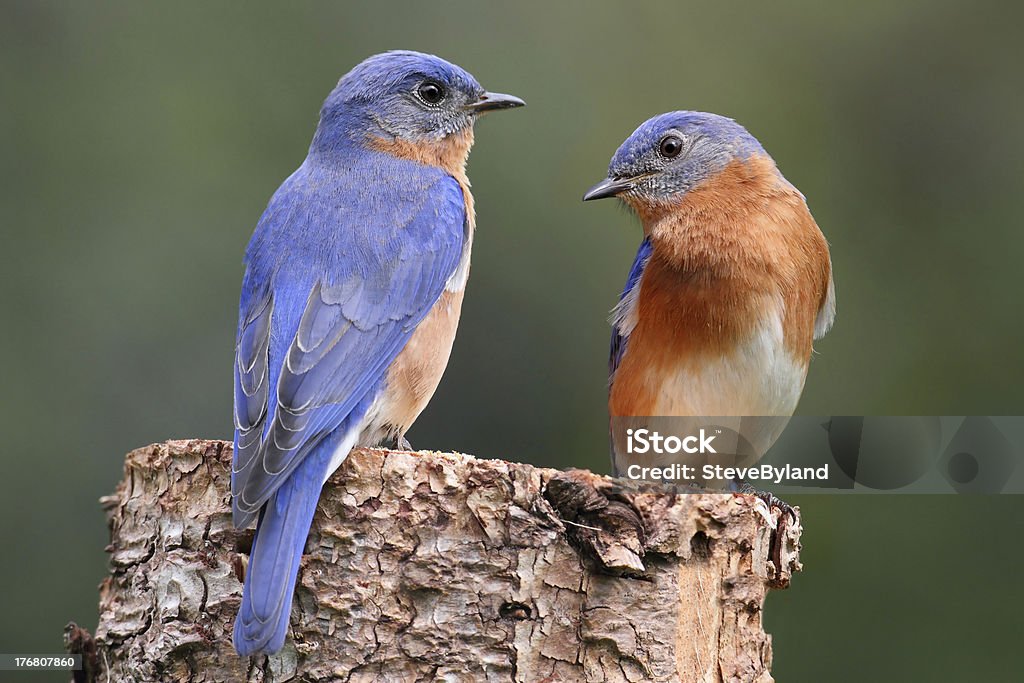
(340, 270)
(353, 250)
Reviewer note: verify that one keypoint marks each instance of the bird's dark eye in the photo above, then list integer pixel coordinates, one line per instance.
(670, 146)
(431, 92)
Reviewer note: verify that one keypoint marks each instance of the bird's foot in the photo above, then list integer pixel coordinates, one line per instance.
(770, 500)
(780, 529)
(398, 442)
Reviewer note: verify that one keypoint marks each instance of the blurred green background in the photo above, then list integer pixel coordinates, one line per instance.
(140, 143)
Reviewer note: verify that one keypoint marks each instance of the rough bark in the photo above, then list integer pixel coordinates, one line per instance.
(442, 567)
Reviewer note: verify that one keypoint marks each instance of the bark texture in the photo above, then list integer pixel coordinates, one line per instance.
(442, 567)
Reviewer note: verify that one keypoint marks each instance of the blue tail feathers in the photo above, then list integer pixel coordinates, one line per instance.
(262, 621)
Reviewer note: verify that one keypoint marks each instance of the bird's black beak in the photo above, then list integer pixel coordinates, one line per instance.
(491, 101)
(609, 187)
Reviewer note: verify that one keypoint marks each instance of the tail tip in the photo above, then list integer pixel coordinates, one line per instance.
(249, 641)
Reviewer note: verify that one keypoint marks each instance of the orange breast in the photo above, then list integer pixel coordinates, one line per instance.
(415, 373)
(683, 322)
(727, 303)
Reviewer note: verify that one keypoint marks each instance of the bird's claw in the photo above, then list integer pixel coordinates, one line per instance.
(770, 501)
(400, 443)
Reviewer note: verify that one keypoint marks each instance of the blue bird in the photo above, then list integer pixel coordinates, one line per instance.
(350, 301)
(729, 288)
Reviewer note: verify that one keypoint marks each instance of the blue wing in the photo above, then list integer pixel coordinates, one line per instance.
(342, 267)
(620, 331)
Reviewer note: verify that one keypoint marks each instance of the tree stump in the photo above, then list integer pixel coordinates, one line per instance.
(442, 567)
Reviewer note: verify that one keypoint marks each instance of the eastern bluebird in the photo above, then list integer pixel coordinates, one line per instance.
(351, 297)
(731, 283)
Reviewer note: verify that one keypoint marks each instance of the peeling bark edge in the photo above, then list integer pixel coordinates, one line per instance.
(438, 566)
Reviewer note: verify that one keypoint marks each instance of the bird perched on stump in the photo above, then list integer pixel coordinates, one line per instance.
(730, 286)
(351, 297)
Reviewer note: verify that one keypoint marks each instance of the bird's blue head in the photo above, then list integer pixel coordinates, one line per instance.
(671, 154)
(405, 95)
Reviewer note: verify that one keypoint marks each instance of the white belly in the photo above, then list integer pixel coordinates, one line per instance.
(750, 392)
(759, 377)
